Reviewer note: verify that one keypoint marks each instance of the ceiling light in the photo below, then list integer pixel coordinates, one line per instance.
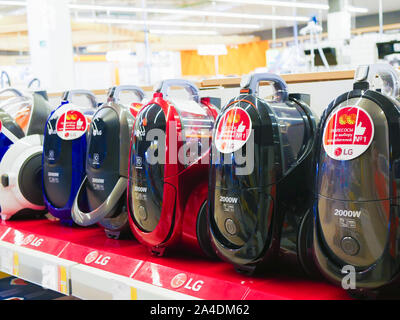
(13, 3)
(185, 32)
(305, 5)
(357, 9)
(293, 4)
(169, 23)
(200, 13)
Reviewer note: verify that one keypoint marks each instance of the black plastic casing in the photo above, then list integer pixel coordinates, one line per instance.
(273, 201)
(368, 184)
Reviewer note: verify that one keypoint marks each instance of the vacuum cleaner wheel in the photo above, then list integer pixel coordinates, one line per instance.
(203, 234)
(304, 244)
(30, 179)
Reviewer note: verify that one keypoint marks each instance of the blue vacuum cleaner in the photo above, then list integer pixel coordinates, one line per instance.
(64, 153)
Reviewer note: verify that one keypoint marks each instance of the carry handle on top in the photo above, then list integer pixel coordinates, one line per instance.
(69, 94)
(115, 92)
(251, 83)
(163, 87)
(12, 90)
(33, 81)
(389, 76)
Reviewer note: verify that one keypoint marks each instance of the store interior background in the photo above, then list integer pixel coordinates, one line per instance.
(96, 44)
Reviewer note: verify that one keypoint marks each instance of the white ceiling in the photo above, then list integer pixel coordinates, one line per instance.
(208, 5)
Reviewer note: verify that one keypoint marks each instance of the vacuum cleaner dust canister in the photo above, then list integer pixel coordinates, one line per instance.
(22, 126)
(65, 153)
(102, 195)
(260, 182)
(358, 171)
(168, 177)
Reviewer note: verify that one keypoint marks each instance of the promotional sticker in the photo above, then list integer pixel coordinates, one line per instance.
(71, 125)
(233, 131)
(348, 133)
(135, 108)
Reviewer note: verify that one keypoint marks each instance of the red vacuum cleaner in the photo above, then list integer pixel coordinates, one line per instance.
(168, 171)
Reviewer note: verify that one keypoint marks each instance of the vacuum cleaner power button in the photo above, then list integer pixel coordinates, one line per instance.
(143, 213)
(5, 181)
(230, 227)
(350, 246)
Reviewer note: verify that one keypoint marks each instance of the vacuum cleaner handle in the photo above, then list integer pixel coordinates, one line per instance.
(95, 216)
(190, 87)
(33, 81)
(115, 92)
(252, 83)
(92, 98)
(12, 90)
(389, 76)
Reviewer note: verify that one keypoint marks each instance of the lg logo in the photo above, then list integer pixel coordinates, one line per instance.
(345, 152)
(181, 280)
(338, 152)
(97, 258)
(141, 132)
(32, 240)
(96, 131)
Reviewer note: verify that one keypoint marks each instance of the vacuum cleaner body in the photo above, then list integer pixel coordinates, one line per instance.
(356, 206)
(21, 165)
(257, 207)
(103, 191)
(64, 154)
(167, 199)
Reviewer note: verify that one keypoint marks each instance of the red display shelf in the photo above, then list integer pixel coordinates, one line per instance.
(195, 277)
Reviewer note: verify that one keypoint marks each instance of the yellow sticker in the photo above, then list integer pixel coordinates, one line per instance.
(133, 293)
(15, 264)
(62, 277)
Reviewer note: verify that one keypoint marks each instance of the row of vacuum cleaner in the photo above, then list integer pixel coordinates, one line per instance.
(263, 181)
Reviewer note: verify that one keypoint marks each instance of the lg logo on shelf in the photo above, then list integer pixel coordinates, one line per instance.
(97, 258)
(181, 280)
(32, 240)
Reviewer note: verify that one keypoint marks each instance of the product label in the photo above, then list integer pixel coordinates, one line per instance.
(348, 133)
(234, 130)
(98, 184)
(54, 177)
(71, 125)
